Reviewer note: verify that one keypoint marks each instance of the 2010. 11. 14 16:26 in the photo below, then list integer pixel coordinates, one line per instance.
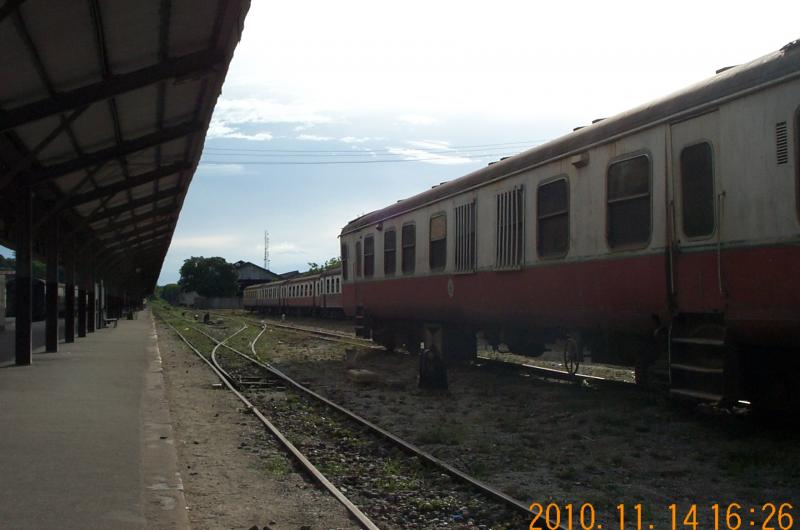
(731, 516)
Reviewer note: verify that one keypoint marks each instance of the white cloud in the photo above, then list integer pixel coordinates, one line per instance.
(221, 169)
(429, 157)
(217, 129)
(231, 114)
(209, 242)
(285, 247)
(355, 140)
(262, 110)
(416, 119)
(313, 137)
(430, 144)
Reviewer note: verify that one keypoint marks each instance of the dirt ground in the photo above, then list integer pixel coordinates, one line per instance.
(234, 475)
(545, 441)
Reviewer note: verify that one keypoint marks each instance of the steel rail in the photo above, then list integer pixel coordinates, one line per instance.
(541, 371)
(363, 520)
(323, 334)
(403, 444)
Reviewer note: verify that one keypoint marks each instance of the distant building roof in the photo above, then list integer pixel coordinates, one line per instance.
(249, 272)
(290, 274)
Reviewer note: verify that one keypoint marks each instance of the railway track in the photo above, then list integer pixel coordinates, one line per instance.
(390, 478)
(527, 369)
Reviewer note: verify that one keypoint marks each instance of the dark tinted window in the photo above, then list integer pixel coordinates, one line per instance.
(697, 190)
(552, 207)
(409, 248)
(629, 202)
(369, 256)
(438, 242)
(358, 259)
(344, 261)
(389, 252)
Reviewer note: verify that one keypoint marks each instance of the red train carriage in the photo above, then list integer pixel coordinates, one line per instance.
(671, 229)
(311, 293)
(329, 290)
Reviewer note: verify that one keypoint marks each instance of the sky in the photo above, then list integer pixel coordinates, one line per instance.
(334, 109)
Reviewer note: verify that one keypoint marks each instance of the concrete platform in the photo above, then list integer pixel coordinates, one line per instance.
(86, 439)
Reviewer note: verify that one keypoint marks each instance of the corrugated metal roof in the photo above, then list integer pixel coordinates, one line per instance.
(104, 107)
(251, 272)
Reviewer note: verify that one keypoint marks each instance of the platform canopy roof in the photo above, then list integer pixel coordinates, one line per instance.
(104, 107)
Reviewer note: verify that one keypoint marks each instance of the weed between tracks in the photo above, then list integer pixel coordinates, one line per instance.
(550, 441)
(390, 486)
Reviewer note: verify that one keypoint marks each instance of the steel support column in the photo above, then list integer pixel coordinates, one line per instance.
(81, 309)
(51, 289)
(92, 306)
(69, 293)
(23, 280)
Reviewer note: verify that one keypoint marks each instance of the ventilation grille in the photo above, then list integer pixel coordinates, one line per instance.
(782, 142)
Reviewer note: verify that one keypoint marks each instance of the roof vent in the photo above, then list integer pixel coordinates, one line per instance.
(597, 120)
(781, 142)
(578, 128)
(725, 68)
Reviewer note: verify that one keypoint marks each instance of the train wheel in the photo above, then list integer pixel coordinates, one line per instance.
(572, 355)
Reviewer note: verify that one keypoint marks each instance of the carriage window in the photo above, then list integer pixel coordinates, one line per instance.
(338, 287)
(369, 256)
(358, 259)
(389, 252)
(697, 190)
(552, 216)
(510, 225)
(437, 258)
(628, 193)
(409, 243)
(465, 237)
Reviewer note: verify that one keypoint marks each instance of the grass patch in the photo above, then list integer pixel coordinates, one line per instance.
(444, 434)
(276, 466)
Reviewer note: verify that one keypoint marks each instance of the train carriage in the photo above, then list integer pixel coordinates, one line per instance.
(311, 293)
(329, 289)
(670, 229)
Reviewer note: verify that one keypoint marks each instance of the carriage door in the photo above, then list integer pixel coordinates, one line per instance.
(695, 214)
(700, 364)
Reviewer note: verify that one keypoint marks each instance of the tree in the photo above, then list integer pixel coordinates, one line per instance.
(333, 263)
(38, 269)
(170, 292)
(209, 277)
(328, 265)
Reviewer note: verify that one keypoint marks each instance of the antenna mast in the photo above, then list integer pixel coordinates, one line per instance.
(266, 249)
